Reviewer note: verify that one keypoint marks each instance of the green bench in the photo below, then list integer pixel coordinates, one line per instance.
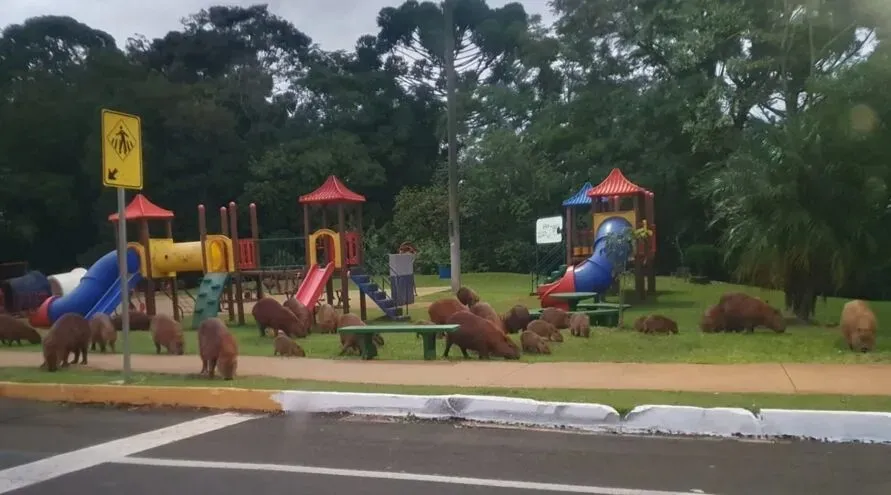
(604, 317)
(427, 333)
(601, 305)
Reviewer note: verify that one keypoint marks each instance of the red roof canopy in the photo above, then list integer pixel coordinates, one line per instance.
(616, 184)
(142, 209)
(332, 192)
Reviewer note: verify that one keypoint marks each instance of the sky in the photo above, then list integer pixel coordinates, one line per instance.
(333, 24)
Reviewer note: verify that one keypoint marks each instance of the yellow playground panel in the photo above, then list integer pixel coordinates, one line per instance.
(335, 240)
(629, 215)
(169, 257)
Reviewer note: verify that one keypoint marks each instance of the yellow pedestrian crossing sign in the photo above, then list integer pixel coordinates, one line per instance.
(121, 150)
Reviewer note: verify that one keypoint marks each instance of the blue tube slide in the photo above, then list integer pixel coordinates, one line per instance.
(595, 274)
(100, 279)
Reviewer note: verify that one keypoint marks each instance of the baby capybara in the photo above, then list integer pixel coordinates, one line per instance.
(744, 312)
(350, 342)
(517, 318)
(712, 320)
(284, 346)
(484, 310)
(545, 330)
(580, 325)
(555, 316)
(858, 324)
(217, 347)
(478, 334)
(659, 324)
(268, 313)
(102, 333)
(441, 310)
(467, 296)
(69, 334)
(326, 317)
(138, 321)
(15, 330)
(167, 333)
(533, 343)
(303, 314)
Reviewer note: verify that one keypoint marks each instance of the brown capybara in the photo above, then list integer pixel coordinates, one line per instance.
(659, 324)
(351, 342)
(138, 321)
(440, 311)
(639, 324)
(858, 324)
(102, 333)
(167, 333)
(712, 320)
(517, 319)
(303, 314)
(284, 346)
(484, 310)
(69, 334)
(15, 330)
(478, 334)
(533, 343)
(439, 335)
(744, 312)
(467, 296)
(545, 330)
(268, 313)
(555, 316)
(326, 318)
(580, 325)
(217, 347)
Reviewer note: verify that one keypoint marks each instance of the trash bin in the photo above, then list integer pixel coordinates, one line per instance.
(445, 272)
(402, 278)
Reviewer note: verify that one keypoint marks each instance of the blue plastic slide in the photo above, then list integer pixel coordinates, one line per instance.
(99, 289)
(595, 274)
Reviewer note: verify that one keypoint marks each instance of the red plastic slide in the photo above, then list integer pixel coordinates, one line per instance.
(312, 285)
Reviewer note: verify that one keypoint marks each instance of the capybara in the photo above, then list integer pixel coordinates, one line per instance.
(484, 310)
(744, 312)
(659, 324)
(217, 347)
(440, 311)
(303, 314)
(467, 296)
(533, 343)
(167, 333)
(351, 342)
(555, 316)
(439, 335)
(268, 313)
(545, 330)
(327, 318)
(859, 325)
(478, 334)
(138, 321)
(517, 318)
(712, 320)
(69, 334)
(102, 332)
(284, 346)
(639, 324)
(13, 329)
(580, 325)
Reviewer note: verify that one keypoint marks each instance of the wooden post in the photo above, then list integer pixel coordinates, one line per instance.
(202, 235)
(174, 297)
(306, 236)
(149, 281)
(639, 279)
(344, 269)
(255, 241)
(224, 229)
(651, 220)
(363, 304)
(568, 227)
(233, 233)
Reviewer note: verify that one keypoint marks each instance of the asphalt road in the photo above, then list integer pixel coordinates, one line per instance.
(328, 455)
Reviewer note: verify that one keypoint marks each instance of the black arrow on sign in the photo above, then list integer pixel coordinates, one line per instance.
(113, 174)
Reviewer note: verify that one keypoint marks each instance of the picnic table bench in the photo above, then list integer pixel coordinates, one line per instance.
(602, 305)
(573, 298)
(427, 333)
(604, 317)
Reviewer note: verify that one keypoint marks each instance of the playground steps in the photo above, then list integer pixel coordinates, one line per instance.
(376, 294)
(207, 304)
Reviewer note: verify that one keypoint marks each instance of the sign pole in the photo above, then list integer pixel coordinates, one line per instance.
(123, 276)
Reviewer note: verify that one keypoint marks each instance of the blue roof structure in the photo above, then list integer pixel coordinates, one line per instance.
(581, 198)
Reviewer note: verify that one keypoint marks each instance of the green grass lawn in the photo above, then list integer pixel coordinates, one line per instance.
(622, 400)
(676, 299)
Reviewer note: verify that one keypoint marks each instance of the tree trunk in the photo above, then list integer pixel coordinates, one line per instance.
(801, 294)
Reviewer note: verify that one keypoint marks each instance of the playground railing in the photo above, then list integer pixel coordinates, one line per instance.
(380, 274)
(281, 253)
(547, 259)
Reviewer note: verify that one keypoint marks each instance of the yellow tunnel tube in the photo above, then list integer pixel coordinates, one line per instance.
(170, 257)
(335, 238)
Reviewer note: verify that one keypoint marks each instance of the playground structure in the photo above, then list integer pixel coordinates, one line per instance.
(617, 205)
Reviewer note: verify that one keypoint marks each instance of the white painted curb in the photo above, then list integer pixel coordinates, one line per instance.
(827, 426)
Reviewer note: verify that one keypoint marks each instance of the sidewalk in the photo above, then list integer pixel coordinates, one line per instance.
(866, 379)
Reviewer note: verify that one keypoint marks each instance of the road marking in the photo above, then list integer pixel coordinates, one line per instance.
(59, 465)
(385, 475)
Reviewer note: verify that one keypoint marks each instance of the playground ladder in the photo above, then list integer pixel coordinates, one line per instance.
(207, 304)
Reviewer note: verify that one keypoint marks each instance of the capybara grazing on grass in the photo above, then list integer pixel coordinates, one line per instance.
(303, 314)
(102, 332)
(467, 296)
(217, 348)
(15, 330)
(351, 342)
(659, 324)
(284, 346)
(555, 316)
(580, 325)
(138, 321)
(327, 318)
(859, 325)
(545, 330)
(639, 324)
(268, 313)
(69, 334)
(517, 319)
(744, 312)
(167, 333)
(440, 311)
(533, 343)
(478, 334)
(712, 320)
(484, 310)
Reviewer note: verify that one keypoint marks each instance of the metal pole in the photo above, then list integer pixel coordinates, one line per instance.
(125, 291)
(454, 230)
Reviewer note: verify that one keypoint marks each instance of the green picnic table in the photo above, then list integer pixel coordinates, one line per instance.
(573, 298)
(602, 305)
(427, 332)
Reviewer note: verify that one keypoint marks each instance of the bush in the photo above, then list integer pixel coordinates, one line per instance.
(704, 260)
